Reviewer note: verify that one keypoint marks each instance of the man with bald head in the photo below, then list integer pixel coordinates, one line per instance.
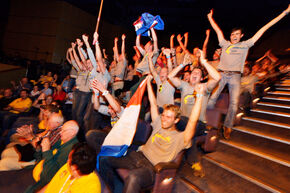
(55, 156)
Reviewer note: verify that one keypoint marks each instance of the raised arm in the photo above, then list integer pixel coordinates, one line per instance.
(185, 40)
(123, 46)
(193, 118)
(172, 75)
(215, 26)
(99, 56)
(111, 100)
(73, 62)
(151, 66)
(68, 58)
(167, 52)
(80, 44)
(115, 49)
(155, 40)
(80, 65)
(172, 41)
(212, 72)
(90, 51)
(138, 45)
(152, 100)
(270, 24)
(204, 47)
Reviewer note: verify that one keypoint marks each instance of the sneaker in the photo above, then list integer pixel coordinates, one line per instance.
(198, 170)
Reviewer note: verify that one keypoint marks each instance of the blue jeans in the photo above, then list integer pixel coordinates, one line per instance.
(80, 103)
(141, 173)
(233, 81)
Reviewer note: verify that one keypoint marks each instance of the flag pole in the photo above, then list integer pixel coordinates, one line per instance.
(99, 16)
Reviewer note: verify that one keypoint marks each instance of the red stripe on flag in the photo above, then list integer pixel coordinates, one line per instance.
(138, 95)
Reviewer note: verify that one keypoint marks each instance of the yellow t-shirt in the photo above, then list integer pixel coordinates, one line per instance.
(20, 103)
(62, 182)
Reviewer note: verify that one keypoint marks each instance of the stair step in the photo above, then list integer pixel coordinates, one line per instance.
(233, 180)
(283, 85)
(268, 127)
(255, 152)
(274, 107)
(261, 133)
(282, 89)
(279, 93)
(271, 145)
(275, 99)
(249, 162)
(281, 117)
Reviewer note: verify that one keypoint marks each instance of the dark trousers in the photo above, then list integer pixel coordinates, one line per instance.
(141, 173)
(192, 152)
(6, 120)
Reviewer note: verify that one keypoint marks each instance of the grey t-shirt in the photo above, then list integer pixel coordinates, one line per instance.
(163, 144)
(165, 92)
(188, 98)
(119, 70)
(233, 56)
(143, 66)
(82, 81)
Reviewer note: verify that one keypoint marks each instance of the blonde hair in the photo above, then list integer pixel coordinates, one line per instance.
(173, 108)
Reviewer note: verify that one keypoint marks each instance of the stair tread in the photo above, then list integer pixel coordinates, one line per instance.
(279, 92)
(278, 124)
(257, 152)
(252, 172)
(274, 105)
(278, 113)
(262, 134)
(276, 98)
(236, 171)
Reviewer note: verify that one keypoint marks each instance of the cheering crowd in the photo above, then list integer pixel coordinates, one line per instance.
(52, 129)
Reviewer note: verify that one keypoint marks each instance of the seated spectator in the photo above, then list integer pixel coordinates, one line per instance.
(59, 95)
(20, 153)
(6, 99)
(46, 90)
(78, 174)
(42, 100)
(35, 92)
(51, 162)
(13, 110)
(114, 109)
(156, 150)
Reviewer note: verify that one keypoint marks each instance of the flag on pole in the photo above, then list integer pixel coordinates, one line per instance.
(145, 22)
(121, 136)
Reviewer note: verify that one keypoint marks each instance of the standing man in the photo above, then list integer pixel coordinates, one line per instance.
(234, 53)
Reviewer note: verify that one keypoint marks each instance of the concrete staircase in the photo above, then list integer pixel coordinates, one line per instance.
(257, 157)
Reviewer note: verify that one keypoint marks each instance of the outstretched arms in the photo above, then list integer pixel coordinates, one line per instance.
(193, 118)
(99, 56)
(155, 40)
(270, 24)
(204, 47)
(215, 26)
(152, 100)
(138, 45)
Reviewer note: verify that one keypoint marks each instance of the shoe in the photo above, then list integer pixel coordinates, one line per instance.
(227, 132)
(198, 170)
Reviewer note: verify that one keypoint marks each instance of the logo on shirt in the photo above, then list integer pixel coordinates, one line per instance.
(234, 48)
(157, 135)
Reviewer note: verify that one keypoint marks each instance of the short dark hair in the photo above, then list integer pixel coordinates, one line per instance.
(25, 90)
(238, 28)
(84, 157)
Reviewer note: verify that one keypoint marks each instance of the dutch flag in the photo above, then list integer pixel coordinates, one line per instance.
(121, 136)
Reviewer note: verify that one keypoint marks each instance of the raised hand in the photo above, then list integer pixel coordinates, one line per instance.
(96, 38)
(179, 38)
(202, 58)
(95, 84)
(166, 51)
(116, 39)
(172, 36)
(79, 42)
(207, 32)
(85, 38)
(25, 131)
(200, 88)
(186, 35)
(73, 45)
(123, 37)
(209, 15)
